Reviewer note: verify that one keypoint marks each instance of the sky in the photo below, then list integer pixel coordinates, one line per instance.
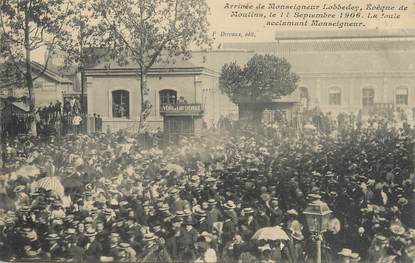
(258, 32)
(220, 20)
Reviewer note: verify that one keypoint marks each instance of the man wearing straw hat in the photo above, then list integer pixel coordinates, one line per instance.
(93, 249)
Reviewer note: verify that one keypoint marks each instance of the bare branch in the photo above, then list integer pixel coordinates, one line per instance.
(50, 50)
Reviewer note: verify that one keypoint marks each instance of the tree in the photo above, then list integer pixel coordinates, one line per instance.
(262, 79)
(27, 26)
(144, 32)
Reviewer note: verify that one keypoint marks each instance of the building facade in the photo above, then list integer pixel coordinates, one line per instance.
(348, 71)
(48, 88)
(182, 95)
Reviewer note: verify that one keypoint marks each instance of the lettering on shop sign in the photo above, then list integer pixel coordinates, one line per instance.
(186, 107)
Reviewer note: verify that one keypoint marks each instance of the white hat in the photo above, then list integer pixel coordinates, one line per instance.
(345, 252)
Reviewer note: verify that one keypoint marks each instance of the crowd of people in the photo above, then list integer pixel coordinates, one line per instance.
(106, 198)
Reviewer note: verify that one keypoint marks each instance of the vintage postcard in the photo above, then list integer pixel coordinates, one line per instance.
(207, 131)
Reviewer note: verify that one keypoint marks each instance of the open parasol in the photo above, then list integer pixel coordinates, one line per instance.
(49, 183)
(25, 171)
(270, 233)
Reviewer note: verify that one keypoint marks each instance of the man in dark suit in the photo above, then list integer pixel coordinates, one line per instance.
(186, 242)
(93, 249)
(154, 250)
(229, 228)
(73, 252)
(54, 249)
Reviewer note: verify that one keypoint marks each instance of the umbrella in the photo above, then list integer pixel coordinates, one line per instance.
(49, 183)
(25, 171)
(270, 233)
(174, 167)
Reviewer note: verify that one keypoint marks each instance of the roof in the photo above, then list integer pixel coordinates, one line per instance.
(340, 56)
(49, 72)
(326, 45)
(178, 65)
(175, 63)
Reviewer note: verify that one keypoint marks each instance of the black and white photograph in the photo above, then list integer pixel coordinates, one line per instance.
(207, 131)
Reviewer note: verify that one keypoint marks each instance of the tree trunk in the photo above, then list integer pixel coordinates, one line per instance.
(142, 88)
(251, 113)
(29, 80)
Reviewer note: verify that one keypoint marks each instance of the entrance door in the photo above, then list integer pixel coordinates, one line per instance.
(178, 126)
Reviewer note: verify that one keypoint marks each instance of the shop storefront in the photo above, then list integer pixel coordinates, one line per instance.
(181, 120)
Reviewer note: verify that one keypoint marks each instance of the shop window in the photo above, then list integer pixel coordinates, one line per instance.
(368, 96)
(335, 96)
(168, 96)
(304, 96)
(120, 104)
(402, 96)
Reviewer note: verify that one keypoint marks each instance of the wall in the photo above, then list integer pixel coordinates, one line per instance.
(195, 88)
(100, 100)
(184, 85)
(352, 89)
(45, 91)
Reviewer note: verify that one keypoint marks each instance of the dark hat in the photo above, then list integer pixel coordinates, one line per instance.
(71, 239)
(189, 221)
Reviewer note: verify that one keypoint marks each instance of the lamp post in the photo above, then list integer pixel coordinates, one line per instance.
(317, 215)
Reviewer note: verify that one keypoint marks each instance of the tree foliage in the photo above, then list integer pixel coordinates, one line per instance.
(144, 32)
(263, 78)
(27, 26)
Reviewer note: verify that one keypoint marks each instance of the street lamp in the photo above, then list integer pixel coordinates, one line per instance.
(317, 215)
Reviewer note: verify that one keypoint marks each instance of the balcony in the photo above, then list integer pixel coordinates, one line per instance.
(181, 109)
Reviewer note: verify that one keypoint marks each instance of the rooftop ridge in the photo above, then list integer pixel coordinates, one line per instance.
(344, 34)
